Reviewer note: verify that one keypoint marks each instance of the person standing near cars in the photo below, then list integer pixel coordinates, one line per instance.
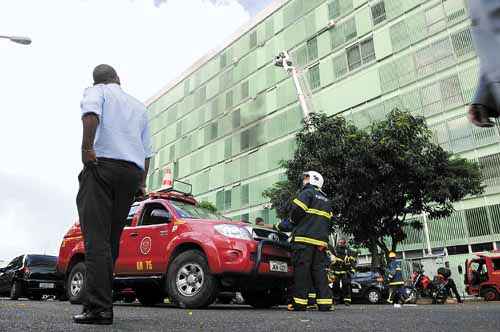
(485, 17)
(394, 276)
(311, 216)
(116, 149)
(343, 264)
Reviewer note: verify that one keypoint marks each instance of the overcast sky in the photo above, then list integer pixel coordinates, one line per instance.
(149, 42)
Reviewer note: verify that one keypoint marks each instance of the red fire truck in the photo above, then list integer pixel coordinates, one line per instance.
(173, 248)
(482, 276)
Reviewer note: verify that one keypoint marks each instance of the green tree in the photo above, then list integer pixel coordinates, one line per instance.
(379, 176)
(207, 205)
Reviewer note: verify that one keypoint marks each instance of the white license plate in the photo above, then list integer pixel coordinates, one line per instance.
(277, 266)
(46, 285)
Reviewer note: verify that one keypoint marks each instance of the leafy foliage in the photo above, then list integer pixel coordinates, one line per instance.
(378, 176)
(207, 205)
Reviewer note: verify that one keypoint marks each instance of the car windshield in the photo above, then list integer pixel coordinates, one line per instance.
(186, 210)
(41, 260)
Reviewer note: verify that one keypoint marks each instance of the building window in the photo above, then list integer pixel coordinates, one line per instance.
(312, 49)
(350, 29)
(245, 140)
(236, 119)
(219, 200)
(458, 250)
(253, 39)
(227, 200)
(337, 8)
(228, 148)
(178, 129)
(378, 12)
(477, 222)
(480, 247)
(340, 65)
(223, 60)
(229, 100)
(314, 77)
(214, 128)
(490, 169)
(462, 43)
(353, 57)
(367, 50)
(245, 195)
(245, 90)
(172, 152)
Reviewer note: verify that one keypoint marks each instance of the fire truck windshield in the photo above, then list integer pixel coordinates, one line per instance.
(190, 211)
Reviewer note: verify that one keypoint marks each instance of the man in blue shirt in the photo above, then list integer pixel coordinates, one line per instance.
(116, 149)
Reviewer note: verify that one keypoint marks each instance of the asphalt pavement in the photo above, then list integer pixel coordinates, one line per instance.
(55, 316)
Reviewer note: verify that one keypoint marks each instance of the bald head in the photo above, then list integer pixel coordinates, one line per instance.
(105, 74)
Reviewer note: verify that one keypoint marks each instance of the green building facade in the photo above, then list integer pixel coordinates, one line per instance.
(225, 124)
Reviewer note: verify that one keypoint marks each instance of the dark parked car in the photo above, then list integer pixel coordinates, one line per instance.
(31, 276)
(369, 286)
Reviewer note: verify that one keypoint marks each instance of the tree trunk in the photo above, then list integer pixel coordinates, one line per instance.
(376, 256)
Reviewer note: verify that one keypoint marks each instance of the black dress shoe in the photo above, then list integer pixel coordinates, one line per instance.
(97, 318)
(479, 116)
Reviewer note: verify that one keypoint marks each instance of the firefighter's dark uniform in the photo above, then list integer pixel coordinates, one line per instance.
(343, 264)
(395, 277)
(311, 215)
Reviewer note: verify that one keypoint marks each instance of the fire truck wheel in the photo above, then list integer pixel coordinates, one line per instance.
(189, 281)
(75, 283)
(489, 294)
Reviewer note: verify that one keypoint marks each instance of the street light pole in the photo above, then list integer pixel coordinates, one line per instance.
(18, 39)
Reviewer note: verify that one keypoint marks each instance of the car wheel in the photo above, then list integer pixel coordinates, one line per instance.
(263, 299)
(489, 294)
(189, 281)
(16, 290)
(75, 285)
(373, 296)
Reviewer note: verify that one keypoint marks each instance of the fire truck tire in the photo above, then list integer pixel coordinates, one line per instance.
(75, 284)
(189, 281)
(489, 294)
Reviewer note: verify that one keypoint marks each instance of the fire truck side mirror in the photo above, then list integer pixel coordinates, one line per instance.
(460, 269)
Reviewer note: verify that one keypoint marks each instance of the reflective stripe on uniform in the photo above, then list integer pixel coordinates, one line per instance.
(306, 209)
(308, 240)
(347, 299)
(298, 300)
(312, 295)
(396, 283)
(324, 301)
(300, 204)
(325, 214)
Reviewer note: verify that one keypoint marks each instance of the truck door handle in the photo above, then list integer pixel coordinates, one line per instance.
(163, 233)
(134, 234)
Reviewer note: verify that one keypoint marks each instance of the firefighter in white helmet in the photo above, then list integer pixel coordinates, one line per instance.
(311, 219)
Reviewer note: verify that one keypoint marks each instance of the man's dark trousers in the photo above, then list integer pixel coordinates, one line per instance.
(310, 273)
(107, 190)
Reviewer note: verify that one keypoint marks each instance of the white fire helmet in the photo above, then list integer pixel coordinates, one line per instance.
(315, 178)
